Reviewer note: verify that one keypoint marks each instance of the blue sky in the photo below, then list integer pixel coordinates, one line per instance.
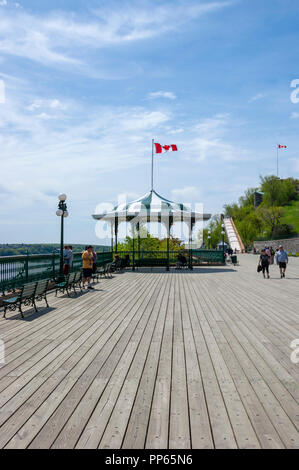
(88, 84)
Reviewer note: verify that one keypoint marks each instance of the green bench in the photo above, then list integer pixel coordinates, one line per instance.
(102, 271)
(28, 295)
(72, 281)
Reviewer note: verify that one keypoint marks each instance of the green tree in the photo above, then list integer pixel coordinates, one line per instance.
(271, 217)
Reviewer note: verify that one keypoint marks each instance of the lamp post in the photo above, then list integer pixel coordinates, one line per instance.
(63, 213)
(209, 239)
(223, 233)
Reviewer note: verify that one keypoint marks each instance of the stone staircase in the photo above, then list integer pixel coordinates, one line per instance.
(233, 236)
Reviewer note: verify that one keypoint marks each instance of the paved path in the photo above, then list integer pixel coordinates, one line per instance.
(157, 360)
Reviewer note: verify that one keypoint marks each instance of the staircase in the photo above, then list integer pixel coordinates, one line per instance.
(234, 238)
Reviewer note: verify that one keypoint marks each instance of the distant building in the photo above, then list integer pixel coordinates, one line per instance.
(258, 199)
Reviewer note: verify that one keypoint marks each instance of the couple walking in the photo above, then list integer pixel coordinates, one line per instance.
(281, 260)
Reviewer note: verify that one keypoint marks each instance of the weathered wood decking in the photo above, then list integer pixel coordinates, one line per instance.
(157, 360)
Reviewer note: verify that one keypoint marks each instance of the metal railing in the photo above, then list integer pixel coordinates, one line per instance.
(16, 271)
(199, 257)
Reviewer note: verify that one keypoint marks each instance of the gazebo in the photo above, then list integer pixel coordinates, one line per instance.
(151, 208)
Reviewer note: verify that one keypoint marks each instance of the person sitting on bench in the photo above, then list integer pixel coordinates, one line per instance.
(181, 261)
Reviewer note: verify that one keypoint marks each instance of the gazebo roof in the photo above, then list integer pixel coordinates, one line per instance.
(154, 206)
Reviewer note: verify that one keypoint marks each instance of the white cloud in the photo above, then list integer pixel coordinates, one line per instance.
(187, 194)
(176, 131)
(64, 40)
(2, 91)
(210, 140)
(162, 94)
(50, 104)
(70, 151)
(257, 97)
(211, 127)
(3, 3)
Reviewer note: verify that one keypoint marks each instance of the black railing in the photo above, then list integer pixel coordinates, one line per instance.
(158, 258)
(16, 271)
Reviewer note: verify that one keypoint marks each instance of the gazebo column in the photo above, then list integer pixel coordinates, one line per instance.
(191, 225)
(133, 260)
(168, 224)
(167, 267)
(116, 232)
(138, 233)
(112, 238)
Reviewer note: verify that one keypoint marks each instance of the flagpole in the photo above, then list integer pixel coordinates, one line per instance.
(153, 164)
(277, 160)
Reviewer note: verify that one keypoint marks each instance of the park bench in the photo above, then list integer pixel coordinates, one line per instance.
(28, 295)
(151, 262)
(179, 265)
(116, 265)
(102, 271)
(69, 283)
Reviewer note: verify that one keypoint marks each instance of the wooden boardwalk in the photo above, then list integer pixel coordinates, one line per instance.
(154, 360)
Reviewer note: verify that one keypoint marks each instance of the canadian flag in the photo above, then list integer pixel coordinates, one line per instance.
(282, 146)
(165, 148)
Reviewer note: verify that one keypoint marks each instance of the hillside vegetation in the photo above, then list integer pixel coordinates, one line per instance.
(277, 216)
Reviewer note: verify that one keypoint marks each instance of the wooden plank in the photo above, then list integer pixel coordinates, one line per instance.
(116, 427)
(96, 400)
(60, 369)
(138, 423)
(200, 428)
(179, 428)
(158, 427)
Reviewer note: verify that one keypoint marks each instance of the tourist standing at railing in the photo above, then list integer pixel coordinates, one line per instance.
(87, 258)
(66, 260)
(95, 257)
(282, 260)
(71, 256)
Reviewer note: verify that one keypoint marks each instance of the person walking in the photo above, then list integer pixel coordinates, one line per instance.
(282, 260)
(272, 255)
(264, 263)
(87, 258)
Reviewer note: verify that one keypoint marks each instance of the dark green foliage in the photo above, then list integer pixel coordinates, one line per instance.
(150, 243)
(278, 192)
(40, 249)
(284, 231)
(265, 221)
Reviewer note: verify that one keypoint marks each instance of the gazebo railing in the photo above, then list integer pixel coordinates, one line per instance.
(199, 257)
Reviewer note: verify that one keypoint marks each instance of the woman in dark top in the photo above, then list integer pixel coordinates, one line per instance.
(264, 263)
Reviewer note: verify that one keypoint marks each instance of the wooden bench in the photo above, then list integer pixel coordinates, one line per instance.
(28, 295)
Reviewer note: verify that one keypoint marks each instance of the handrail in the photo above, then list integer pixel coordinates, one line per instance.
(17, 270)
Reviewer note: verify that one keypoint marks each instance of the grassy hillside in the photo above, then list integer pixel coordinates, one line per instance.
(276, 217)
(291, 215)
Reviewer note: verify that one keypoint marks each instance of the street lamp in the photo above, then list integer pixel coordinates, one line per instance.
(223, 233)
(63, 213)
(209, 238)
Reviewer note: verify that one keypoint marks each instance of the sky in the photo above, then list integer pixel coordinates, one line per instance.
(86, 85)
